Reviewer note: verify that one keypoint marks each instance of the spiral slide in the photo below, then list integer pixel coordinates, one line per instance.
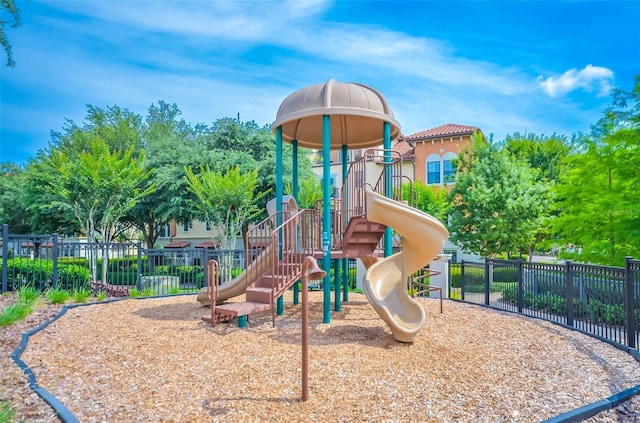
(385, 283)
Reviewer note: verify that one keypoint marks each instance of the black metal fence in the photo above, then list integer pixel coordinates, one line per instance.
(47, 262)
(600, 300)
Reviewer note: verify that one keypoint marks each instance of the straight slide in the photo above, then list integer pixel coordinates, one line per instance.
(385, 284)
(239, 285)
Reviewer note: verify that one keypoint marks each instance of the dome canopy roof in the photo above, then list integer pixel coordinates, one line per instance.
(357, 115)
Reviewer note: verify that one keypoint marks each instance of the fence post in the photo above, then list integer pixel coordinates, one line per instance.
(487, 281)
(55, 261)
(5, 257)
(462, 280)
(139, 278)
(520, 281)
(569, 291)
(629, 303)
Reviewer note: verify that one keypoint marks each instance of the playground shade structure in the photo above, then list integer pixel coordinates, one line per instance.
(385, 284)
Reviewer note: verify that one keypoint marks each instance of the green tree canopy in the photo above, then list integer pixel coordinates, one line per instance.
(498, 202)
(598, 193)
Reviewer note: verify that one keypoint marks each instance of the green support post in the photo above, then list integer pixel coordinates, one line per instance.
(326, 216)
(388, 240)
(345, 207)
(242, 321)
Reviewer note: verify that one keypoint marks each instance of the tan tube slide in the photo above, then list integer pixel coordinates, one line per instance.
(385, 283)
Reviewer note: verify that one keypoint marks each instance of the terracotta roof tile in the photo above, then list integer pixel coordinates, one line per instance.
(446, 130)
(405, 149)
(178, 244)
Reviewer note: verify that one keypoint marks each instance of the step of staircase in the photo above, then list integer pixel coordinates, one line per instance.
(361, 237)
(259, 294)
(244, 308)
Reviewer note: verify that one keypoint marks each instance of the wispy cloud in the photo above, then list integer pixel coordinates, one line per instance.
(590, 78)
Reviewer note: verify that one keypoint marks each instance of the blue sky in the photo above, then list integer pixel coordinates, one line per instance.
(504, 66)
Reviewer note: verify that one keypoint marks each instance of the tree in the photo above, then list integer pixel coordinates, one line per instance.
(12, 211)
(498, 202)
(429, 199)
(543, 153)
(597, 195)
(227, 200)
(9, 6)
(100, 187)
(309, 191)
(170, 145)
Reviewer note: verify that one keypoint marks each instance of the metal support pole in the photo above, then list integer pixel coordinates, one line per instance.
(5, 257)
(296, 189)
(345, 208)
(629, 304)
(388, 236)
(336, 289)
(314, 273)
(326, 215)
(55, 261)
(279, 187)
(569, 291)
(139, 277)
(487, 280)
(520, 281)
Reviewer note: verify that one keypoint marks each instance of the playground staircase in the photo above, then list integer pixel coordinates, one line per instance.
(361, 237)
(288, 243)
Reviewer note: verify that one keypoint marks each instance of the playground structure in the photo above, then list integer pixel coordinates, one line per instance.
(358, 224)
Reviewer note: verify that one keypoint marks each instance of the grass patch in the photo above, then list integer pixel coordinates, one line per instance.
(81, 295)
(7, 413)
(27, 297)
(133, 293)
(58, 296)
(101, 296)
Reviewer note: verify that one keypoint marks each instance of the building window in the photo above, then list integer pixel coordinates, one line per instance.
(207, 225)
(165, 232)
(185, 227)
(448, 169)
(433, 169)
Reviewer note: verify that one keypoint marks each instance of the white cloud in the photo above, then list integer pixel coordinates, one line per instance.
(588, 79)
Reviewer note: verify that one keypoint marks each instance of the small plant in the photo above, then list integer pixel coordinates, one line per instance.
(101, 296)
(148, 292)
(15, 312)
(58, 295)
(455, 294)
(7, 413)
(28, 295)
(174, 290)
(133, 293)
(81, 295)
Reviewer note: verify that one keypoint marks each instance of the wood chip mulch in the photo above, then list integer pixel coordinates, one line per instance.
(155, 360)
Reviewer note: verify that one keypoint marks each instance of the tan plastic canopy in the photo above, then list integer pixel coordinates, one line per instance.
(357, 116)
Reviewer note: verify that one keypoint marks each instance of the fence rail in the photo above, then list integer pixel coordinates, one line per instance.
(599, 300)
